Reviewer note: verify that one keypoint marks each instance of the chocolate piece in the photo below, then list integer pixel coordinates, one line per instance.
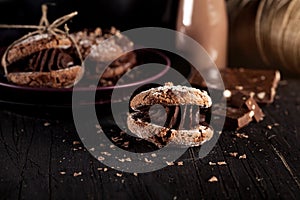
(235, 118)
(190, 116)
(262, 82)
(242, 99)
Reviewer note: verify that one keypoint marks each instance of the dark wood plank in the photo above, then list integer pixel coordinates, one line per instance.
(39, 158)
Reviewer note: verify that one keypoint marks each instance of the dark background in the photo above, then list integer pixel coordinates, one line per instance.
(122, 14)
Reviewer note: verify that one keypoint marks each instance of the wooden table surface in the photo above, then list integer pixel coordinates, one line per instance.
(42, 158)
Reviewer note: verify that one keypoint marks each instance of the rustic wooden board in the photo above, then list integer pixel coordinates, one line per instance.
(34, 154)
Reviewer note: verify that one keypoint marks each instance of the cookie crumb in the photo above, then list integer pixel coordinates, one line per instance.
(116, 139)
(124, 159)
(269, 127)
(233, 154)
(180, 163)
(242, 135)
(153, 155)
(125, 144)
(76, 142)
(243, 156)
(101, 158)
(272, 125)
(170, 163)
(106, 153)
(77, 174)
(239, 87)
(222, 163)
(213, 179)
(148, 161)
(212, 163)
(47, 124)
(92, 149)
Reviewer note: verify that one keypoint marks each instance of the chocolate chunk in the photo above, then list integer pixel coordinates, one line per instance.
(168, 116)
(262, 82)
(235, 118)
(242, 99)
(190, 117)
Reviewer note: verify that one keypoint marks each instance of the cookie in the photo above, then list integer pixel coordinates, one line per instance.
(114, 70)
(43, 60)
(171, 95)
(32, 45)
(62, 78)
(160, 135)
(105, 50)
(102, 45)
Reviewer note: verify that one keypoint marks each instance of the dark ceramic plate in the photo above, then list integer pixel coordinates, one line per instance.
(20, 95)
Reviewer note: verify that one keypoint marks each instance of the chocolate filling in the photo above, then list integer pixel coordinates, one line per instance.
(46, 60)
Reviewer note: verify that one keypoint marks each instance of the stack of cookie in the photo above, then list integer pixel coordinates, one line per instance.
(43, 60)
(105, 49)
(179, 103)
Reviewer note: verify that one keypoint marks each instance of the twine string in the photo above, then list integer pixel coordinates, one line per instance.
(277, 34)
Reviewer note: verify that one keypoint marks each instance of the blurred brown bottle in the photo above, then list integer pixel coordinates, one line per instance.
(206, 22)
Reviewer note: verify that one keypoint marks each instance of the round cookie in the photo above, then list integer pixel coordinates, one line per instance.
(21, 49)
(160, 135)
(171, 95)
(62, 78)
(42, 61)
